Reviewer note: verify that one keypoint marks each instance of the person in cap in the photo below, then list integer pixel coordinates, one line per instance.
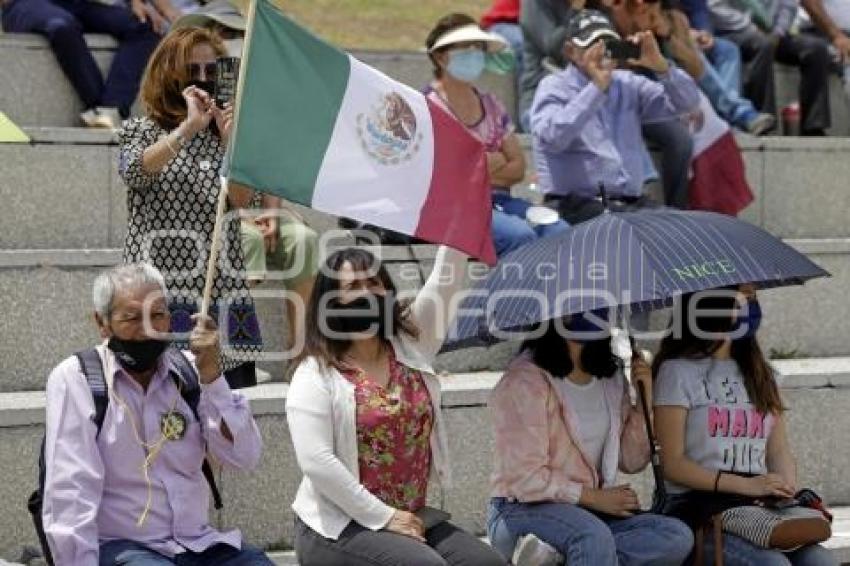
(105, 100)
(458, 48)
(564, 426)
(132, 492)
(586, 119)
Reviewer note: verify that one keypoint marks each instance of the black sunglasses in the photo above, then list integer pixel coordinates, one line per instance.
(209, 70)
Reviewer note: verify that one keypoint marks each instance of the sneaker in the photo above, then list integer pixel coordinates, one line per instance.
(761, 124)
(531, 551)
(101, 117)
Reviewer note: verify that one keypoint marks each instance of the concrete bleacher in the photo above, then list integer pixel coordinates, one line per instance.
(64, 218)
(30, 67)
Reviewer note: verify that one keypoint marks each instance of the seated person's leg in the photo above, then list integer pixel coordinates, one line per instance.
(129, 553)
(813, 555)
(226, 555)
(581, 537)
(457, 546)
(652, 539)
(725, 57)
(254, 252)
(510, 232)
(519, 207)
(359, 546)
(739, 552)
(136, 42)
(297, 256)
(676, 146)
(502, 539)
(65, 34)
(811, 55)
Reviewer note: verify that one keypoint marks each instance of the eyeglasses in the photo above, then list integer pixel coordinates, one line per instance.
(208, 70)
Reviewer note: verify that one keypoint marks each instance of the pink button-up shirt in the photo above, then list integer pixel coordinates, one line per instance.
(95, 488)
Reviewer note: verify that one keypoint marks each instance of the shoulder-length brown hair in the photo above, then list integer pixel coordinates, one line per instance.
(167, 74)
(758, 376)
(327, 351)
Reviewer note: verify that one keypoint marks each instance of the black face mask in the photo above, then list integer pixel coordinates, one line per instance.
(361, 315)
(597, 359)
(137, 355)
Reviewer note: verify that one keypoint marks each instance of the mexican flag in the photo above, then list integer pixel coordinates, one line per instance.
(718, 177)
(316, 126)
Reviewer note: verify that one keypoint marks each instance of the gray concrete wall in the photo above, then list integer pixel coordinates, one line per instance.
(36, 93)
(258, 503)
(47, 300)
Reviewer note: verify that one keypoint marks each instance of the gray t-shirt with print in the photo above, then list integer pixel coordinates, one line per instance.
(724, 431)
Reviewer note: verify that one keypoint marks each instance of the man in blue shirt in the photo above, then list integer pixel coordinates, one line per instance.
(586, 120)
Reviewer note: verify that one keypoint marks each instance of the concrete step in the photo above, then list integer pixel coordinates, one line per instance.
(32, 68)
(817, 392)
(67, 180)
(46, 295)
(36, 93)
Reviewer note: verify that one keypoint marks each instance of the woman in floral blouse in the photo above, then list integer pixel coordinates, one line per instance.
(364, 413)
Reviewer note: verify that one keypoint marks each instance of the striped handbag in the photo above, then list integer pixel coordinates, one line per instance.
(785, 528)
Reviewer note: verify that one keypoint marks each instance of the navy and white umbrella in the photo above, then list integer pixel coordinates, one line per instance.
(643, 259)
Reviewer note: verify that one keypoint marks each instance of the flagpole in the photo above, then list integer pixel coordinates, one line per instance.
(224, 173)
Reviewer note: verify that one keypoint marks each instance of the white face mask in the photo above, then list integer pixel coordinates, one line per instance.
(234, 47)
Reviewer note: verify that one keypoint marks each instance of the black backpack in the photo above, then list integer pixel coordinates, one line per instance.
(93, 369)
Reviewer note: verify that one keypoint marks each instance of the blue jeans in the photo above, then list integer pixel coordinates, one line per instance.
(738, 552)
(63, 23)
(721, 83)
(586, 540)
(129, 553)
(510, 229)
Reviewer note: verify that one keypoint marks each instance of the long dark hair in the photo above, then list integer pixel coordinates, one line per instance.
(550, 352)
(329, 351)
(758, 377)
(443, 26)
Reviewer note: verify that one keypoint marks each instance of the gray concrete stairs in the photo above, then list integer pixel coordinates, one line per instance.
(63, 219)
(36, 93)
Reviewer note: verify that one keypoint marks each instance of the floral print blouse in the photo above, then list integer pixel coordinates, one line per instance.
(393, 435)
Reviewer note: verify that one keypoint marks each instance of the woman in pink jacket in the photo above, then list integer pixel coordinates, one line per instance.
(564, 426)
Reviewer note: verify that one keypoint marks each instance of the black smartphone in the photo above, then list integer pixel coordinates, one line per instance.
(226, 77)
(431, 517)
(621, 50)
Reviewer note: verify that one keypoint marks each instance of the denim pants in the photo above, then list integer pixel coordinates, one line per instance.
(587, 540)
(721, 83)
(510, 228)
(739, 552)
(63, 23)
(129, 553)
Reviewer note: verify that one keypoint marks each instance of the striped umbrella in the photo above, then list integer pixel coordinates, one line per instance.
(643, 259)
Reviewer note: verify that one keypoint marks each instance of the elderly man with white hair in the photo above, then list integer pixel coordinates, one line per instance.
(123, 461)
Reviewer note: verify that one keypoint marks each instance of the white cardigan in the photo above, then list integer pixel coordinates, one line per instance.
(321, 413)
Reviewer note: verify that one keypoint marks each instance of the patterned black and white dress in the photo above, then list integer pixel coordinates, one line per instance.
(171, 219)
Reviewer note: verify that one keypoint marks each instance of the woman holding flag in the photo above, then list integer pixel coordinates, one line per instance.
(170, 160)
(364, 414)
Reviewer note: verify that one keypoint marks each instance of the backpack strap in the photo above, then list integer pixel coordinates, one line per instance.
(190, 389)
(92, 367)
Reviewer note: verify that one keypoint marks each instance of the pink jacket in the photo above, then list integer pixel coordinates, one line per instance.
(538, 456)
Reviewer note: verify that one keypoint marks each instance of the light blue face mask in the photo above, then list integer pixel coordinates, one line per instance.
(466, 65)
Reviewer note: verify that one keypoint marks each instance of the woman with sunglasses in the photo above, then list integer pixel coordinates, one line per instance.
(170, 160)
